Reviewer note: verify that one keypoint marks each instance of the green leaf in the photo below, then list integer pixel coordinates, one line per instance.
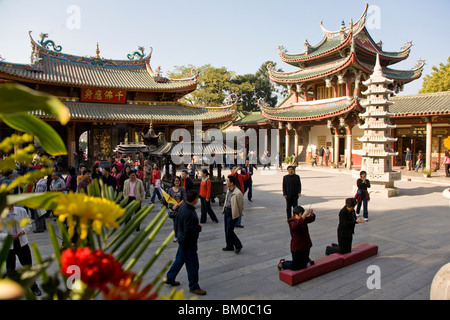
(35, 200)
(27, 275)
(48, 138)
(16, 98)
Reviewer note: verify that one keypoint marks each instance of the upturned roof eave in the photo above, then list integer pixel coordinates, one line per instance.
(352, 106)
(346, 62)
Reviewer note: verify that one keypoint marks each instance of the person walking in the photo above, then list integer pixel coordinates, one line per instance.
(108, 179)
(346, 228)
(241, 176)
(57, 183)
(41, 186)
(71, 180)
(19, 247)
(232, 210)
(124, 175)
(408, 159)
(186, 182)
(300, 240)
(192, 169)
(419, 163)
(156, 181)
(248, 184)
(87, 179)
(133, 188)
(292, 190)
(147, 178)
(178, 193)
(446, 163)
(362, 195)
(321, 155)
(205, 195)
(187, 230)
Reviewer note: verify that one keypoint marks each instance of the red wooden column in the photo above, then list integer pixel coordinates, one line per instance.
(347, 88)
(336, 146)
(348, 148)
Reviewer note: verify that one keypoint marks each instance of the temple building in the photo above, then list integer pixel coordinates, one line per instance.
(110, 101)
(323, 105)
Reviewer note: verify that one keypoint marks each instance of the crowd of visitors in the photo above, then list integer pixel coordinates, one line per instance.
(139, 182)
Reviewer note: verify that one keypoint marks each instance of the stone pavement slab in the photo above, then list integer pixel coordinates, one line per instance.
(411, 231)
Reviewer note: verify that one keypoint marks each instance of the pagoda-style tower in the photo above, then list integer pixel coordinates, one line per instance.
(325, 89)
(376, 152)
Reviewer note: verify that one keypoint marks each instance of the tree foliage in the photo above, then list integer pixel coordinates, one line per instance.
(438, 80)
(215, 84)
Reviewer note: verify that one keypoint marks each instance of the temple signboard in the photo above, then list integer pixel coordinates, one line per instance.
(103, 95)
(419, 131)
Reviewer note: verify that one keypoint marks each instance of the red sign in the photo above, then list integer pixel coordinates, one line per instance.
(103, 95)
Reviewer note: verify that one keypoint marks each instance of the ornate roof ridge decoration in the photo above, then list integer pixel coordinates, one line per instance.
(47, 44)
(48, 66)
(337, 41)
(352, 28)
(158, 77)
(138, 54)
(230, 104)
(94, 60)
(367, 44)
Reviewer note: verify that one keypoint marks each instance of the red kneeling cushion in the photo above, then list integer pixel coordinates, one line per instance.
(359, 252)
(321, 266)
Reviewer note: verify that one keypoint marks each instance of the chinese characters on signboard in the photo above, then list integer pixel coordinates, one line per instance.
(103, 95)
(418, 131)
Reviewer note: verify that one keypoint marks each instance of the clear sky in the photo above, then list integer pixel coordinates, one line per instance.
(237, 34)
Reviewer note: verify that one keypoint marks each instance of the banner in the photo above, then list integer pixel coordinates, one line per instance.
(103, 95)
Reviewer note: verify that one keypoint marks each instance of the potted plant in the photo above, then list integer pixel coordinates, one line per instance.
(427, 172)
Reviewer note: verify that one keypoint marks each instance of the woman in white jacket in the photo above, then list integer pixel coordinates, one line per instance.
(19, 247)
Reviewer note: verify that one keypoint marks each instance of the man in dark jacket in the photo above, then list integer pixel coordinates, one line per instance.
(346, 228)
(292, 190)
(248, 184)
(187, 229)
(186, 182)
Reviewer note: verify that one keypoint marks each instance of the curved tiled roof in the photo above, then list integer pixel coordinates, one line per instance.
(406, 75)
(421, 104)
(309, 73)
(254, 118)
(157, 112)
(63, 72)
(325, 46)
(335, 41)
(314, 110)
(57, 68)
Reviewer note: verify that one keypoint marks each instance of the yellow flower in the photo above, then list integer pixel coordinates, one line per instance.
(447, 143)
(97, 210)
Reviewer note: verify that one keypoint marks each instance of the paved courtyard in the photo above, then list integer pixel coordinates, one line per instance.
(411, 230)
